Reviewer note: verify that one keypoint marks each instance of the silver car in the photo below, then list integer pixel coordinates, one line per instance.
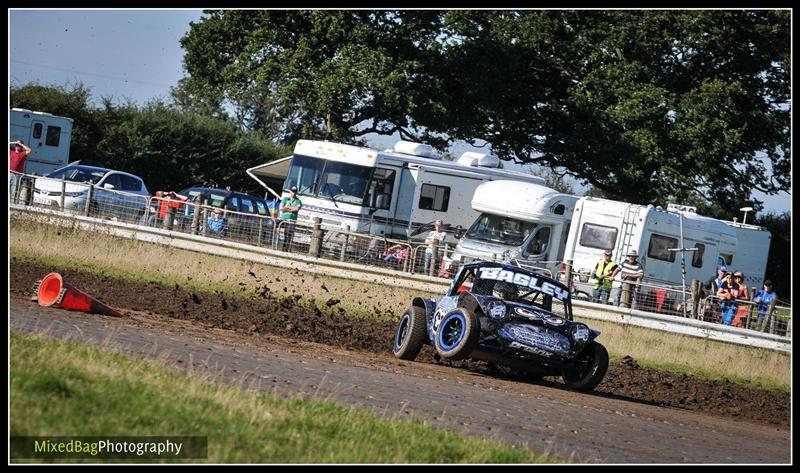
(115, 193)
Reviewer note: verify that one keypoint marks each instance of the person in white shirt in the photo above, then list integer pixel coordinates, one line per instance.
(631, 271)
(435, 234)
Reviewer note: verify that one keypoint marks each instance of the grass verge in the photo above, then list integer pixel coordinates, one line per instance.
(65, 388)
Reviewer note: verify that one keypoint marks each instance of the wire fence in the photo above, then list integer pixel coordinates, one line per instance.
(335, 242)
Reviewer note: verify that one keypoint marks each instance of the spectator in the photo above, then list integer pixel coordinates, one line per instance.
(603, 276)
(715, 282)
(395, 254)
(763, 298)
(728, 292)
(739, 320)
(216, 223)
(738, 278)
(631, 272)
(18, 153)
(435, 234)
(290, 206)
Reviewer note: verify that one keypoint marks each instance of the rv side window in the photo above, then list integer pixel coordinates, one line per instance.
(539, 243)
(37, 131)
(379, 194)
(434, 198)
(697, 257)
(53, 135)
(598, 236)
(659, 244)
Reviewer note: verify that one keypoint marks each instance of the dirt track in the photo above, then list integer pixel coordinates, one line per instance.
(355, 366)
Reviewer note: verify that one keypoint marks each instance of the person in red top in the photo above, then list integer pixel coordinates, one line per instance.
(17, 154)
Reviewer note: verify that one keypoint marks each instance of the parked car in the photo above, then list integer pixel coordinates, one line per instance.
(506, 316)
(115, 193)
(243, 214)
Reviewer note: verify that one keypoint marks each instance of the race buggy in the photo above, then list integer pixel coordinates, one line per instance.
(509, 317)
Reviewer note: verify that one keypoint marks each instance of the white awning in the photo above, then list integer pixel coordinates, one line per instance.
(277, 169)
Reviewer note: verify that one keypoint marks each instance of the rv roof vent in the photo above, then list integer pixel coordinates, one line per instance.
(471, 158)
(681, 208)
(415, 149)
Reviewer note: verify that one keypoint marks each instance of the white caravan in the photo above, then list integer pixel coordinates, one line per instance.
(523, 221)
(393, 192)
(601, 224)
(47, 135)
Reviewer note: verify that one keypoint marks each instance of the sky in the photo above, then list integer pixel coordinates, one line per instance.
(131, 55)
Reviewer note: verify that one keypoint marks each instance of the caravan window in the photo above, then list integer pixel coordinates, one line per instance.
(659, 244)
(697, 257)
(598, 236)
(434, 197)
(304, 174)
(37, 130)
(379, 194)
(53, 135)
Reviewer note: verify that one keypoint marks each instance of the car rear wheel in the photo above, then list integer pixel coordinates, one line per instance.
(410, 334)
(589, 370)
(457, 334)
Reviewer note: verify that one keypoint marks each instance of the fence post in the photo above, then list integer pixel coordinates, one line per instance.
(201, 224)
(196, 218)
(89, 196)
(29, 189)
(771, 315)
(434, 256)
(316, 238)
(625, 295)
(568, 274)
(345, 243)
(695, 299)
(63, 190)
(169, 218)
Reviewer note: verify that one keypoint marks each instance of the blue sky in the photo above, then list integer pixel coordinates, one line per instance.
(127, 55)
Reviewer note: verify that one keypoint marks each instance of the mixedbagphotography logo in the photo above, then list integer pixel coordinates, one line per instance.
(162, 447)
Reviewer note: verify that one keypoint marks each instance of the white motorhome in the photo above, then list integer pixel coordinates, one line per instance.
(601, 224)
(47, 135)
(392, 192)
(521, 220)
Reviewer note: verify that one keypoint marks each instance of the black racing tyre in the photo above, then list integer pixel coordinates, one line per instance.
(590, 368)
(457, 334)
(410, 334)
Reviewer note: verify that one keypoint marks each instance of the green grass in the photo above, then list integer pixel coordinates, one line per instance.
(69, 389)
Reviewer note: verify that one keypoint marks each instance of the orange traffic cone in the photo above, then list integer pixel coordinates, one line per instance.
(52, 291)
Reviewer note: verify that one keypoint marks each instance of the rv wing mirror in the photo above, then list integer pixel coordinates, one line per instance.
(380, 201)
(459, 232)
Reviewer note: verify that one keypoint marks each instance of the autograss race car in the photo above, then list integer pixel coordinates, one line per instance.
(509, 317)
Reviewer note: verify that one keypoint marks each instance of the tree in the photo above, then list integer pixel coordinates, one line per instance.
(311, 74)
(645, 106)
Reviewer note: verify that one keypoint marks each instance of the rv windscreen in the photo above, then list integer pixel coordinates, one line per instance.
(499, 229)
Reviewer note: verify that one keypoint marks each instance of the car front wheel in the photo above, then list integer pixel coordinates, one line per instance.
(410, 334)
(589, 370)
(457, 334)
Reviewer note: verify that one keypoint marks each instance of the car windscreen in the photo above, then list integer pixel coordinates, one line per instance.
(521, 287)
(78, 174)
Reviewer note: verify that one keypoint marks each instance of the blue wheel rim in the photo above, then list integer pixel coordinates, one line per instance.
(403, 329)
(452, 331)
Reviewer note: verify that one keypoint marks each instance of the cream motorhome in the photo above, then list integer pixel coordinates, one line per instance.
(48, 136)
(392, 192)
(521, 220)
(601, 224)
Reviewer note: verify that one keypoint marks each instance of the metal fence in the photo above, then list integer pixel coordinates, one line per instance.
(335, 242)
